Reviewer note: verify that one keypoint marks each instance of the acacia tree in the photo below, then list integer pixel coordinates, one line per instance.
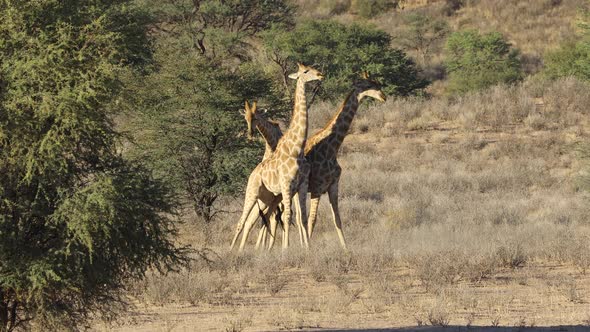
(221, 28)
(341, 52)
(77, 220)
(186, 123)
(476, 61)
(423, 33)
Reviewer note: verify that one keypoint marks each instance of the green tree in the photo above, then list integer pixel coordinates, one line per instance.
(423, 34)
(186, 123)
(77, 220)
(221, 28)
(476, 61)
(341, 52)
(573, 58)
(188, 128)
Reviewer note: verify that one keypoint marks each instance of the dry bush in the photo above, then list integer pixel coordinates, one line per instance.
(438, 316)
(512, 256)
(540, 105)
(439, 269)
(335, 262)
(184, 287)
(238, 324)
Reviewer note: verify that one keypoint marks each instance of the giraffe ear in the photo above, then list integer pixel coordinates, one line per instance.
(294, 76)
(242, 111)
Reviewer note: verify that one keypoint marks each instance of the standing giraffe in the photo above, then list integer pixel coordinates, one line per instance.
(321, 154)
(271, 132)
(280, 174)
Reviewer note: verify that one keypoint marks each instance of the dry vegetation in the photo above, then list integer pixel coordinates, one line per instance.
(457, 212)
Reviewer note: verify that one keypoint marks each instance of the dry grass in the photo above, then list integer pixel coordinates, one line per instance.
(532, 26)
(472, 218)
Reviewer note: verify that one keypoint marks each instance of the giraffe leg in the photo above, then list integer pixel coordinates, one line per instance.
(264, 236)
(286, 218)
(313, 213)
(250, 222)
(259, 239)
(297, 203)
(249, 202)
(302, 213)
(333, 196)
(274, 221)
(273, 231)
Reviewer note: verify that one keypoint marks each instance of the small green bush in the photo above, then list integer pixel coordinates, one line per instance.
(573, 58)
(372, 8)
(475, 61)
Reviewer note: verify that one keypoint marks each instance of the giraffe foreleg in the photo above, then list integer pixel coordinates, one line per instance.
(250, 222)
(286, 218)
(249, 202)
(300, 206)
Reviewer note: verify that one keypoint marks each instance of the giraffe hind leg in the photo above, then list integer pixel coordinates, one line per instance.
(333, 197)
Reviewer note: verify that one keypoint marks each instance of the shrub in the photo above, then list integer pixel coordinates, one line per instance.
(477, 61)
(573, 58)
(372, 8)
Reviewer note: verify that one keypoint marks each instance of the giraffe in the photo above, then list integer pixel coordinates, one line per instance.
(271, 132)
(321, 153)
(280, 174)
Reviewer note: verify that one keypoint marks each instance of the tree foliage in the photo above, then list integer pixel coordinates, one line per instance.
(341, 52)
(476, 61)
(221, 28)
(573, 58)
(76, 219)
(186, 123)
(423, 34)
(188, 127)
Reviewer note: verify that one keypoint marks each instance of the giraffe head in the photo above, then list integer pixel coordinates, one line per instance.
(368, 87)
(254, 117)
(249, 113)
(307, 74)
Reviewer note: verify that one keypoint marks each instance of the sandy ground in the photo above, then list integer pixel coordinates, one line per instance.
(539, 297)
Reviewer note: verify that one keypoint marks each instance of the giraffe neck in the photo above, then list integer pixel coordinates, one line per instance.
(338, 127)
(296, 135)
(271, 134)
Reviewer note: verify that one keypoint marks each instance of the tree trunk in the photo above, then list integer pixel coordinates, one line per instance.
(3, 313)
